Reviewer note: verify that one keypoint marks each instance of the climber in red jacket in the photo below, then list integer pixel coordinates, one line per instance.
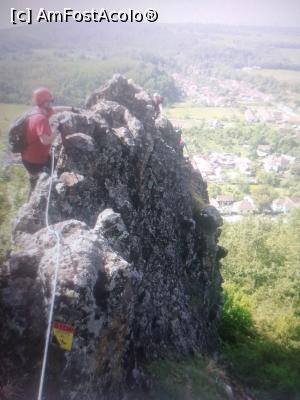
(39, 137)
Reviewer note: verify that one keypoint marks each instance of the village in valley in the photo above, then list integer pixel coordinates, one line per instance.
(222, 167)
(244, 176)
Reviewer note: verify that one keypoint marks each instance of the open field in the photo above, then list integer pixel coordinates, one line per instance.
(185, 123)
(282, 75)
(291, 54)
(188, 112)
(8, 113)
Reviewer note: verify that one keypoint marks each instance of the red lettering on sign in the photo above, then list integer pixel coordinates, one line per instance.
(63, 327)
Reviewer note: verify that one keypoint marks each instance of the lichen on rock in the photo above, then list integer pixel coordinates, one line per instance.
(139, 264)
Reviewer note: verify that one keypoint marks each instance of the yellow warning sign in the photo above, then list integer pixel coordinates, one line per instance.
(64, 335)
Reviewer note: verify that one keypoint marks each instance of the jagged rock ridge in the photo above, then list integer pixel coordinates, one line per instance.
(139, 274)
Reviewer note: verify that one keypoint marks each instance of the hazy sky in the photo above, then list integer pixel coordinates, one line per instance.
(229, 12)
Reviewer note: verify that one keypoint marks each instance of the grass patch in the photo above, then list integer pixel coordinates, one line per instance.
(192, 378)
(269, 367)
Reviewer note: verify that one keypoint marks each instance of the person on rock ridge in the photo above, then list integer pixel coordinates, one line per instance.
(38, 134)
(157, 103)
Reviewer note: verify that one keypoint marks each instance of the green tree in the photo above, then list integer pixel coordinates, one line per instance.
(268, 178)
(263, 196)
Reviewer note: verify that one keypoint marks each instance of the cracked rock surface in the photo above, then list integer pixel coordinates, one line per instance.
(139, 260)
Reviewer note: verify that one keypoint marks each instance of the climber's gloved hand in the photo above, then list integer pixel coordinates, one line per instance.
(60, 128)
(75, 110)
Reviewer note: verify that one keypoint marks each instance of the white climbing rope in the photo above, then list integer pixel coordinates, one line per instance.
(54, 282)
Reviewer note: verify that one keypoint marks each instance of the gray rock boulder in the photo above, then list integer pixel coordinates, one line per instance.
(138, 264)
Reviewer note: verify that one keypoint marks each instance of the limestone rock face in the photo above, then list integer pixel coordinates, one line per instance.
(138, 263)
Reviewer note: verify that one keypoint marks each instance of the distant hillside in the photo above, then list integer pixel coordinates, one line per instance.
(172, 42)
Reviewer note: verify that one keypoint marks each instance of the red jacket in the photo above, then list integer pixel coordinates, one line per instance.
(37, 125)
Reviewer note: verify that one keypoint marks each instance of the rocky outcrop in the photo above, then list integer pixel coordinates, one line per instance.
(138, 272)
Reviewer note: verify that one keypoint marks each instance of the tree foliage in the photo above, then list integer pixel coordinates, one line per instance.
(71, 80)
(260, 325)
